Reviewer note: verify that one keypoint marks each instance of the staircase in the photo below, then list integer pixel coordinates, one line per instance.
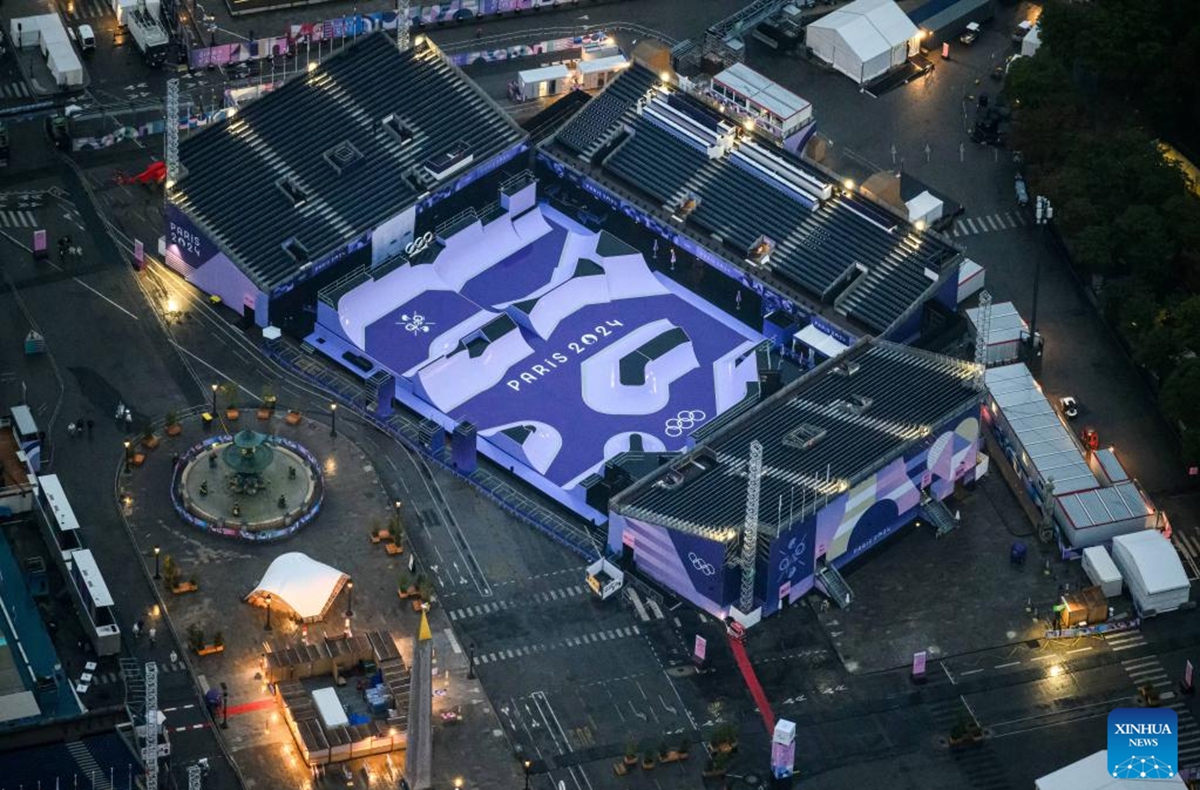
(834, 585)
(135, 684)
(940, 516)
(88, 766)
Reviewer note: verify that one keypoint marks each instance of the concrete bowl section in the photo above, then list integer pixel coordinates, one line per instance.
(208, 494)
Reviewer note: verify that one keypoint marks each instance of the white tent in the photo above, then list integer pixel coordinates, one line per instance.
(1091, 773)
(298, 583)
(864, 39)
(1152, 570)
(64, 64)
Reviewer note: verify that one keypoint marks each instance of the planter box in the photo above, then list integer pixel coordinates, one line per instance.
(174, 429)
(150, 442)
(411, 592)
(648, 765)
(264, 414)
(965, 740)
(138, 459)
(620, 769)
(184, 587)
(416, 604)
(209, 650)
(293, 418)
(232, 414)
(395, 548)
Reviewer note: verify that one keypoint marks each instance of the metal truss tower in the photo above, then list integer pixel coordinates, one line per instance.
(750, 528)
(402, 17)
(150, 743)
(172, 135)
(982, 330)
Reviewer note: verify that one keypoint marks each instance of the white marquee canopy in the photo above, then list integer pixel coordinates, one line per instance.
(297, 582)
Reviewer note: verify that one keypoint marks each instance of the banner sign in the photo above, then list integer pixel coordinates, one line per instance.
(701, 648)
(918, 664)
(139, 253)
(39, 241)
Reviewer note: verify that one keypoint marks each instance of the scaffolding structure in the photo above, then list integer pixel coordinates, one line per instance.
(750, 528)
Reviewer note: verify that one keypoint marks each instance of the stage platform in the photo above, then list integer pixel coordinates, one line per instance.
(558, 343)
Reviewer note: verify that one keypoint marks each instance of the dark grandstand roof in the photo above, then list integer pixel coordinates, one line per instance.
(819, 251)
(856, 413)
(349, 170)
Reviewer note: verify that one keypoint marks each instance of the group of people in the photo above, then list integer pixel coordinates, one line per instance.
(78, 427)
(66, 248)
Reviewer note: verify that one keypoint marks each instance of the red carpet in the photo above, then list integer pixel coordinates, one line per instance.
(756, 691)
(249, 707)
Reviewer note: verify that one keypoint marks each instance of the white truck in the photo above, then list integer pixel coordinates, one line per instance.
(140, 18)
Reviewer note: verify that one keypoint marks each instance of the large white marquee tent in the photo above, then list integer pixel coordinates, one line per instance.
(298, 583)
(864, 39)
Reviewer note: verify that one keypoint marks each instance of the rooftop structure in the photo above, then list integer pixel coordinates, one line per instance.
(821, 435)
(759, 97)
(1048, 446)
(864, 39)
(858, 260)
(333, 154)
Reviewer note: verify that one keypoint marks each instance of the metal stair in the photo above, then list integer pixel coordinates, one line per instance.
(88, 766)
(834, 585)
(135, 684)
(939, 515)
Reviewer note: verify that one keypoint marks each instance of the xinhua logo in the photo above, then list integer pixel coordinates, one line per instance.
(1143, 743)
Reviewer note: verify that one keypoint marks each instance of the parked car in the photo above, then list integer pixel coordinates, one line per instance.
(87, 38)
(1022, 191)
(1069, 407)
(970, 34)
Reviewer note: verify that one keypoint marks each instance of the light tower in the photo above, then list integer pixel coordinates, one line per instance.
(171, 154)
(982, 330)
(150, 741)
(750, 534)
(402, 42)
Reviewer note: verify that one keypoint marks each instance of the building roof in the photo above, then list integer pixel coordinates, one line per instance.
(771, 96)
(332, 154)
(869, 27)
(1091, 773)
(1156, 563)
(754, 191)
(1005, 324)
(821, 435)
(1051, 449)
(1099, 506)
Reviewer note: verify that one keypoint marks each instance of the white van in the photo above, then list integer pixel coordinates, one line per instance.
(87, 39)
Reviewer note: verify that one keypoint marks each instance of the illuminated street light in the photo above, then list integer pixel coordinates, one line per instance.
(527, 765)
(156, 552)
(849, 184)
(350, 599)
(458, 782)
(214, 399)
(127, 455)
(267, 627)
(333, 419)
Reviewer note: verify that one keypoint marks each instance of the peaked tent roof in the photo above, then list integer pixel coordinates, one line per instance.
(302, 584)
(870, 27)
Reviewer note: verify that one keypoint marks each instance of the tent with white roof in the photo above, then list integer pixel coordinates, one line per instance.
(300, 585)
(864, 39)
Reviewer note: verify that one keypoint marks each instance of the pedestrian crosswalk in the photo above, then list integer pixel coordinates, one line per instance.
(1006, 220)
(520, 651)
(17, 219)
(1150, 671)
(1124, 640)
(14, 90)
(102, 678)
(493, 607)
(1188, 547)
(80, 10)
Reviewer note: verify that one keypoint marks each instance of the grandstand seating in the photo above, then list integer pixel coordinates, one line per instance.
(657, 161)
(600, 118)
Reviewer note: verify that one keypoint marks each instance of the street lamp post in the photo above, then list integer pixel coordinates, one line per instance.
(156, 553)
(350, 599)
(527, 765)
(458, 783)
(1044, 213)
(214, 400)
(333, 419)
(471, 661)
(267, 627)
(225, 711)
(127, 446)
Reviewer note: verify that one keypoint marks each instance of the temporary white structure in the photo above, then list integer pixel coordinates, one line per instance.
(26, 31)
(1153, 571)
(1006, 329)
(1091, 773)
(924, 208)
(544, 81)
(864, 39)
(64, 64)
(1032, 41)
(1103, 572)
(300, 584)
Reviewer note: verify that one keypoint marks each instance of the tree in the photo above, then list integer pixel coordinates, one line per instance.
(1179, 401)
(1093, 249)
(1156, 350)
(1145, 243)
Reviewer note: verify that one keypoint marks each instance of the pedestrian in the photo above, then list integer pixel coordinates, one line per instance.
(672, 259)
(153, 635)
(137, 630)
(174, 656)
(120, 410)
(70, 429)
(128, 418)
(90, 425)
(655, 250)
(738, 301)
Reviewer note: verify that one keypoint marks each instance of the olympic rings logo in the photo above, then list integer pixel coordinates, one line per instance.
(701, 564)
(685, 420)
(419, 244)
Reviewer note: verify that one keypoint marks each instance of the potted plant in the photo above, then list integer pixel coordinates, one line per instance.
(685, 745)
(195, 638)
(231, 407)
(170, 571)
(648, 760)
(393, 546)
(186, 587)
(267, 406)
(405, 587)
(630, 753)
(149, 440)
(424, 588)
(219, 639)
(724, 738)
(173, 426)
(376, 532)
(293, 417)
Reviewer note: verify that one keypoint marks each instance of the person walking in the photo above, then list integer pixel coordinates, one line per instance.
(153, 636)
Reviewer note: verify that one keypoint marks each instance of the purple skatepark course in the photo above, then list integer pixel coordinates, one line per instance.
(558, 343)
